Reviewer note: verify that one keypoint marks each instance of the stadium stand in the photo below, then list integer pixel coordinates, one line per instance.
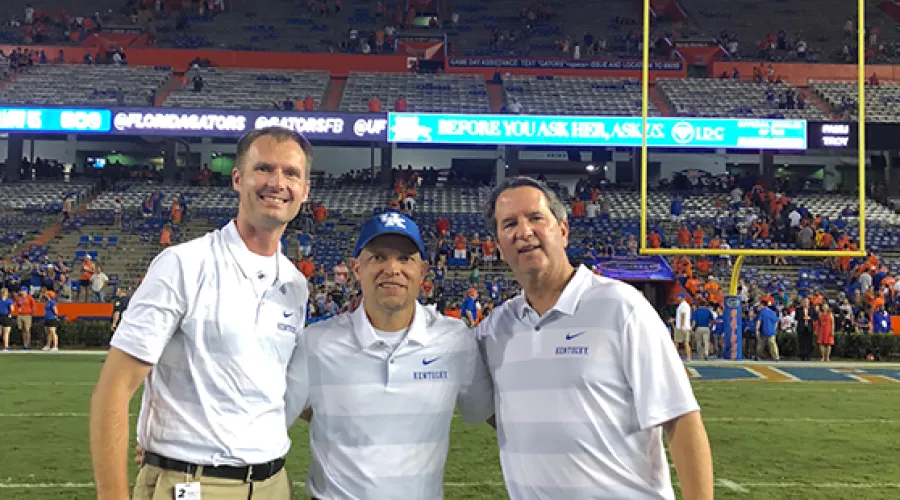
(248, 89)
(821, 24)
(882, 100)
(42, 197)
(423, 93)
(729, 97)
(575, 96)
(512, 29)
(77, 84)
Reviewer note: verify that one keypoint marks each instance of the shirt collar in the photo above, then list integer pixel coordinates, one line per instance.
(365, 332)
(236, 245)
(568, 300)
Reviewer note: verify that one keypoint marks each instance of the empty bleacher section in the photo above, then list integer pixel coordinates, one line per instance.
(204, 201)
(248, 89)
(452, 199)
(610, 23)
(733, 98)
(575, 96)
(819, 22)
(46, 14)
(42, 197)
(423, 93)
(289, 27)
(85, 85)
(882, 101)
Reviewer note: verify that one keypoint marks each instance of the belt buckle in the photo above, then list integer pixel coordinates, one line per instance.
(249, 474)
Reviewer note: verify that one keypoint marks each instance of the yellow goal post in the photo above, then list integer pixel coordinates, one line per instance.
(740, 253)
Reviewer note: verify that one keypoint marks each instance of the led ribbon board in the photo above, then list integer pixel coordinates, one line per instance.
(599, 131)
(54, 120)
(234, 123)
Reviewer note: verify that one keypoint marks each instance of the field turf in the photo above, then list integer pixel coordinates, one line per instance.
(770, 440)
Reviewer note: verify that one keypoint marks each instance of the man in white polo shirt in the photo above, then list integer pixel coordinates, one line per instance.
(385, 378)
(211, 331)
(585, 373)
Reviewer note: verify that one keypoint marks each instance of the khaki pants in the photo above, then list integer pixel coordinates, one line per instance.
(701, 341)
(682, 335)
(154, 483)
(769, 342)
(24, 322)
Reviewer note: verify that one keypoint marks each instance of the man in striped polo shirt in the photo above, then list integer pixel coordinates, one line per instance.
(385, 378)
(587, 381)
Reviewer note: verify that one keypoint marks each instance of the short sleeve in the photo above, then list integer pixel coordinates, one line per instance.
(653, 369)
(296, 397)
(155, 311)
(476, 395)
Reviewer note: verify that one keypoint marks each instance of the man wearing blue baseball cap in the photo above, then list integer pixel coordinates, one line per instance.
(385, 378)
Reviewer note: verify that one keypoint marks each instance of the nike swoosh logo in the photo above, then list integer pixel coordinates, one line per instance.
(571, 336)
(427, 362)
(287, 314)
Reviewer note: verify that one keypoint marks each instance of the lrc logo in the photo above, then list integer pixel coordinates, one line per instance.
(685, 133)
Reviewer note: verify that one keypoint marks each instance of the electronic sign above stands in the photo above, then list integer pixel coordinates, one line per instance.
(176, 122)
(54, 120)
(597, 131)
(322, 126)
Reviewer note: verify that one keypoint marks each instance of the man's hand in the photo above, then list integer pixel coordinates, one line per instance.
(691, 455)
(138, 455)
(119, 379)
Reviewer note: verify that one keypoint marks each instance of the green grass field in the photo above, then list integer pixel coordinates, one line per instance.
(829, 441)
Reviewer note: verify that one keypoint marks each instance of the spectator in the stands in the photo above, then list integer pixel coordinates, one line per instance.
(88, 268)
(98, 285)
(881, 320)
(304, 243)
(63, 288)
(341, 273)
(165, 236)
(306, 266)
(401, 105)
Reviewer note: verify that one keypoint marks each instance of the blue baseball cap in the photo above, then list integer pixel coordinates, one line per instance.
(389, 223)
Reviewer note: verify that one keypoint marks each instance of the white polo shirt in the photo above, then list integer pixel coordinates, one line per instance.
(381, 416)
(219, 324)
(581, 393)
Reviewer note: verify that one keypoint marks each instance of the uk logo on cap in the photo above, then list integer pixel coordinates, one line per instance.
(392, 219)
(389, 223)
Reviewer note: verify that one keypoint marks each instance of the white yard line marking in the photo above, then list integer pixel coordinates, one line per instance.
(731, 485)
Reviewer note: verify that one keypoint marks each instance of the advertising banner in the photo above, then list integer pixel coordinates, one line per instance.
(514, 62)
(733, 328)
(596, 131)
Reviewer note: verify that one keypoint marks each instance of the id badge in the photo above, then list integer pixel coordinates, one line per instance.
(187, 491)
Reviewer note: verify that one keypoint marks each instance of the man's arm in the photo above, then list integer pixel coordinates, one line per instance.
(144, 329)
(691, 454)
(119, 379)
